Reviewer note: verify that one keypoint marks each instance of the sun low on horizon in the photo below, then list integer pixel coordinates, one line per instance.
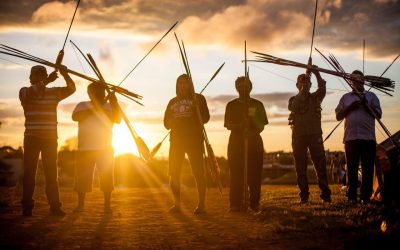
(122, 140)
(275, 28)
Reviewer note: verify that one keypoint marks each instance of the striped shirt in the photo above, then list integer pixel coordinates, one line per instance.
(40, 109)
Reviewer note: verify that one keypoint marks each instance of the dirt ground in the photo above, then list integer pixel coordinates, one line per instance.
(140, 221)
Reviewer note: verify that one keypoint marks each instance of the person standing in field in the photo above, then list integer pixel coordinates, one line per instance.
(359, 137)
(305, 121)
(95, 122)
(40, 137)
(245, 123)
(186, 138)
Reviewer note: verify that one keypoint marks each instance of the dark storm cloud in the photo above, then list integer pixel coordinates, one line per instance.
(376, 21)
(18, 11)
(266, 24)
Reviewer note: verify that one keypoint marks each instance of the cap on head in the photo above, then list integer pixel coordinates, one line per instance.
(39, 70)
(241, 80)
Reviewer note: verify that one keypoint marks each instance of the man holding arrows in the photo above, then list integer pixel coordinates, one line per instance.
(40, 109)
(305, 121)
(359, 136)
(186, 138)
(95, 120)
(245, 123)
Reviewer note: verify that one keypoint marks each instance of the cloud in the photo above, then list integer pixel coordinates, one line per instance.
(266, 24)
(54, 13)
(263, 24)
(10, 108)
(376, 21)
(11, 113)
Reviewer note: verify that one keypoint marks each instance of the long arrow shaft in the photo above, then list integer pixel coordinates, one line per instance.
(70, 25)
(155, 45)
(313, 31)
(142, 147)
(204, 88)
(50, 64)
(370, 109)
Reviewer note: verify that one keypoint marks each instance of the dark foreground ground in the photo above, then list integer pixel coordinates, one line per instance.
(140, 221)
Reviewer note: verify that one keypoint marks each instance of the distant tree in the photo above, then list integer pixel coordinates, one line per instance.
(8, 152)
(70, 144)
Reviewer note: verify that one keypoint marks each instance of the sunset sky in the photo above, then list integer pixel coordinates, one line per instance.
(118, 34)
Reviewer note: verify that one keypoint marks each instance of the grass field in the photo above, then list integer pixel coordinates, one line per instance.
(140, 221)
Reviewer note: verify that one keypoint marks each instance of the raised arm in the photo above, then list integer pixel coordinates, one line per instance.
(321, 91)
(70, 88)
(115, 109)
(81, 112)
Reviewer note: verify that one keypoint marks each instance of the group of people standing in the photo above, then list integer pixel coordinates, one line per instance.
(245, 117)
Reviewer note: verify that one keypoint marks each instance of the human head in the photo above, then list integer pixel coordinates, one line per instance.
(183, 85)
(243, 85)
(359, 85)
(96, 92)
(303, 83)
(38, 74)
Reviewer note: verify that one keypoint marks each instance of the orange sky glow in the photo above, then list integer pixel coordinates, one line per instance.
(119, 33)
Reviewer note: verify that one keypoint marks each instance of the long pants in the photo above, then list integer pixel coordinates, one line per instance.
(365, 151)
(87, 161)
(33, 146)
(194, 149)
(236, 169)
(314, 144)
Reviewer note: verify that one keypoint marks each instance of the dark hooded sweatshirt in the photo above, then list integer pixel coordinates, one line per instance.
(180, 116)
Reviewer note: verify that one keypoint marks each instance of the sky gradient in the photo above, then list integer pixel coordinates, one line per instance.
(119, 33)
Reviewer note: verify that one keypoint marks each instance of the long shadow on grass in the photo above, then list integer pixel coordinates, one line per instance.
(327, 226)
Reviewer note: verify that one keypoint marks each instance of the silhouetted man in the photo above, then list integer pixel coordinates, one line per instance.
(245, 123)
(40, 137)
(95, 122)
(359, 137)
(305, 120)
(186, 138)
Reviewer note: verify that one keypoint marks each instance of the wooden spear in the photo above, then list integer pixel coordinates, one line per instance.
(214, 167)
(141, 145)
(158, 146)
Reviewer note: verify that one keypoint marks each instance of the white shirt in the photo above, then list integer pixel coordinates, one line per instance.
(95, 131)
(359, 124)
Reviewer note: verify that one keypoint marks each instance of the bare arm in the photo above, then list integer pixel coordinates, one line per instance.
(115, 109)
(321, 91)
(70, 88)
(80, 115)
